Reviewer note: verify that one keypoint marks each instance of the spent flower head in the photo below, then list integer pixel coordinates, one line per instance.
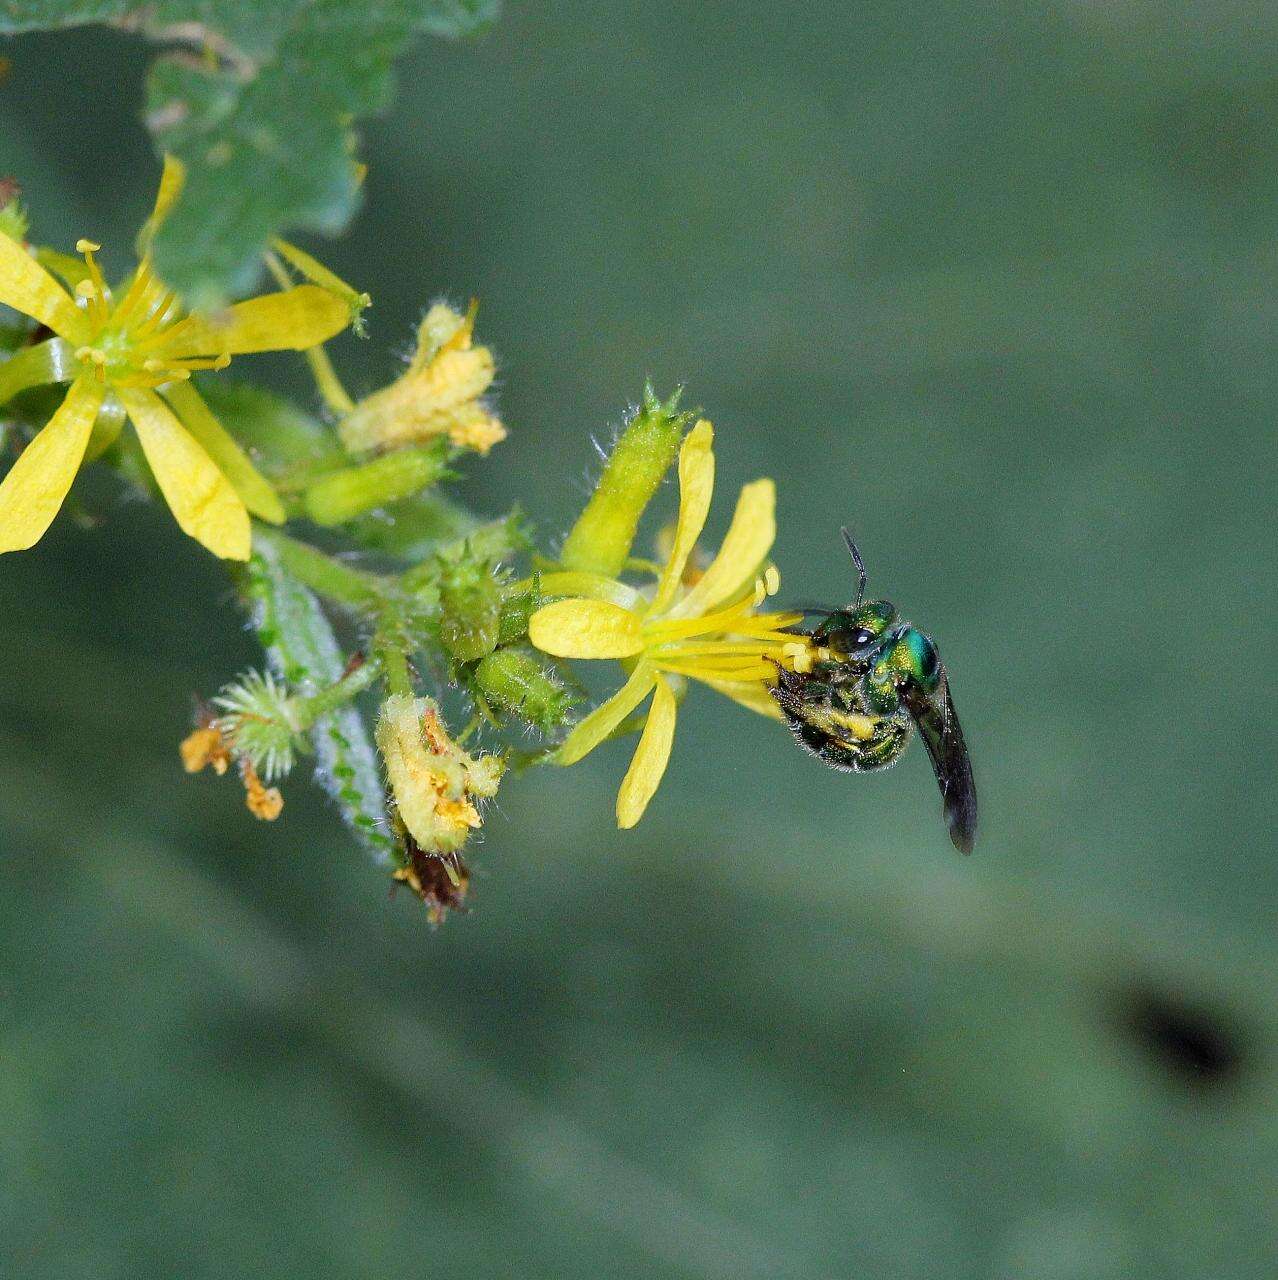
(440, 394)
(260, 721)
(707, 629)
(206, 746)
(133, 348)
(434, 783)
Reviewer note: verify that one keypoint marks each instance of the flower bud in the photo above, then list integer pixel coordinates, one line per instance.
(601, 539)
(514, 681)
(470, 610)
(343, 495)
(13, 217)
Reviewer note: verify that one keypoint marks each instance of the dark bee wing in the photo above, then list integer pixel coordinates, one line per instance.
(941, 734)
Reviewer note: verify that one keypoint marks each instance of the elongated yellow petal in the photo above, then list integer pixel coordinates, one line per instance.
(696, 484)
(253, 487)
(586, 629)
(752, 694)
(607, 716)
(747, 542)
(650, 759)
(27, 287)
(595, 586)
(317, 273)
(38, 482)
(198, 494)
(291, 320)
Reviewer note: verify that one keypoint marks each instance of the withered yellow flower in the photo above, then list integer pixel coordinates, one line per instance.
(702, 626)
(205, 748)
(433, 782)
(441, 394)
(133, 349)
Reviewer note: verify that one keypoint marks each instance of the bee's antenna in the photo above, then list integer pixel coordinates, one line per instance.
(862, 576)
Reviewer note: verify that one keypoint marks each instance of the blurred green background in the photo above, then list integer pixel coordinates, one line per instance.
(992, 283)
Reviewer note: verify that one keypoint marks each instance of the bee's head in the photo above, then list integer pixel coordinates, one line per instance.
(858, 632)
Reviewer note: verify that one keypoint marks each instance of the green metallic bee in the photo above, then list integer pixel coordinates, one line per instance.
(857, 709)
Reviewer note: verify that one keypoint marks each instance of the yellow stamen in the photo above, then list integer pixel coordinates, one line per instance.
(98, 300)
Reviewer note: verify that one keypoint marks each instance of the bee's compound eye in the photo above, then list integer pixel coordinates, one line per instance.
(861, 637)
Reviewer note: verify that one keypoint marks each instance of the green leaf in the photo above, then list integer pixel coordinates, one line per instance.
(263, 121)
(302, 650)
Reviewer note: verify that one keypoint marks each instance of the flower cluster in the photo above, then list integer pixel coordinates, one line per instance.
(426, 593)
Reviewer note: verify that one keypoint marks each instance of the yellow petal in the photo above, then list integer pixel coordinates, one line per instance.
(317, 273)
(198, 494)
(595, 586)
(38, 482)
(253, 487)
(291, 320)
(27, 287)
(650, 759)
(607, 716)
(749, 693)
(172, 180)
(748, 541)
(696, 484)
(586, 629)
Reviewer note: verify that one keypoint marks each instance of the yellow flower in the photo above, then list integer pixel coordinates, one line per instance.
(707, 629)
(132, 349)
(440, 395)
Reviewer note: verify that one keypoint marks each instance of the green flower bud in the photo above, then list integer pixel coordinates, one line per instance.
(514, 681)
(470, 609)
(516, 610)
(601, 539)
(350, 492)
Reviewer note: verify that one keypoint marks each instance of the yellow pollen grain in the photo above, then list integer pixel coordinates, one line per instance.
(772, 579)
(460, 813)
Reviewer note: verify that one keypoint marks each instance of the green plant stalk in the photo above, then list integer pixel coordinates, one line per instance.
(395, 664)
(324, 575)
(313, 709)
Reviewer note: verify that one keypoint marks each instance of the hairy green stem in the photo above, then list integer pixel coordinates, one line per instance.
(323, 574)
(395, 663)
(315, 708)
